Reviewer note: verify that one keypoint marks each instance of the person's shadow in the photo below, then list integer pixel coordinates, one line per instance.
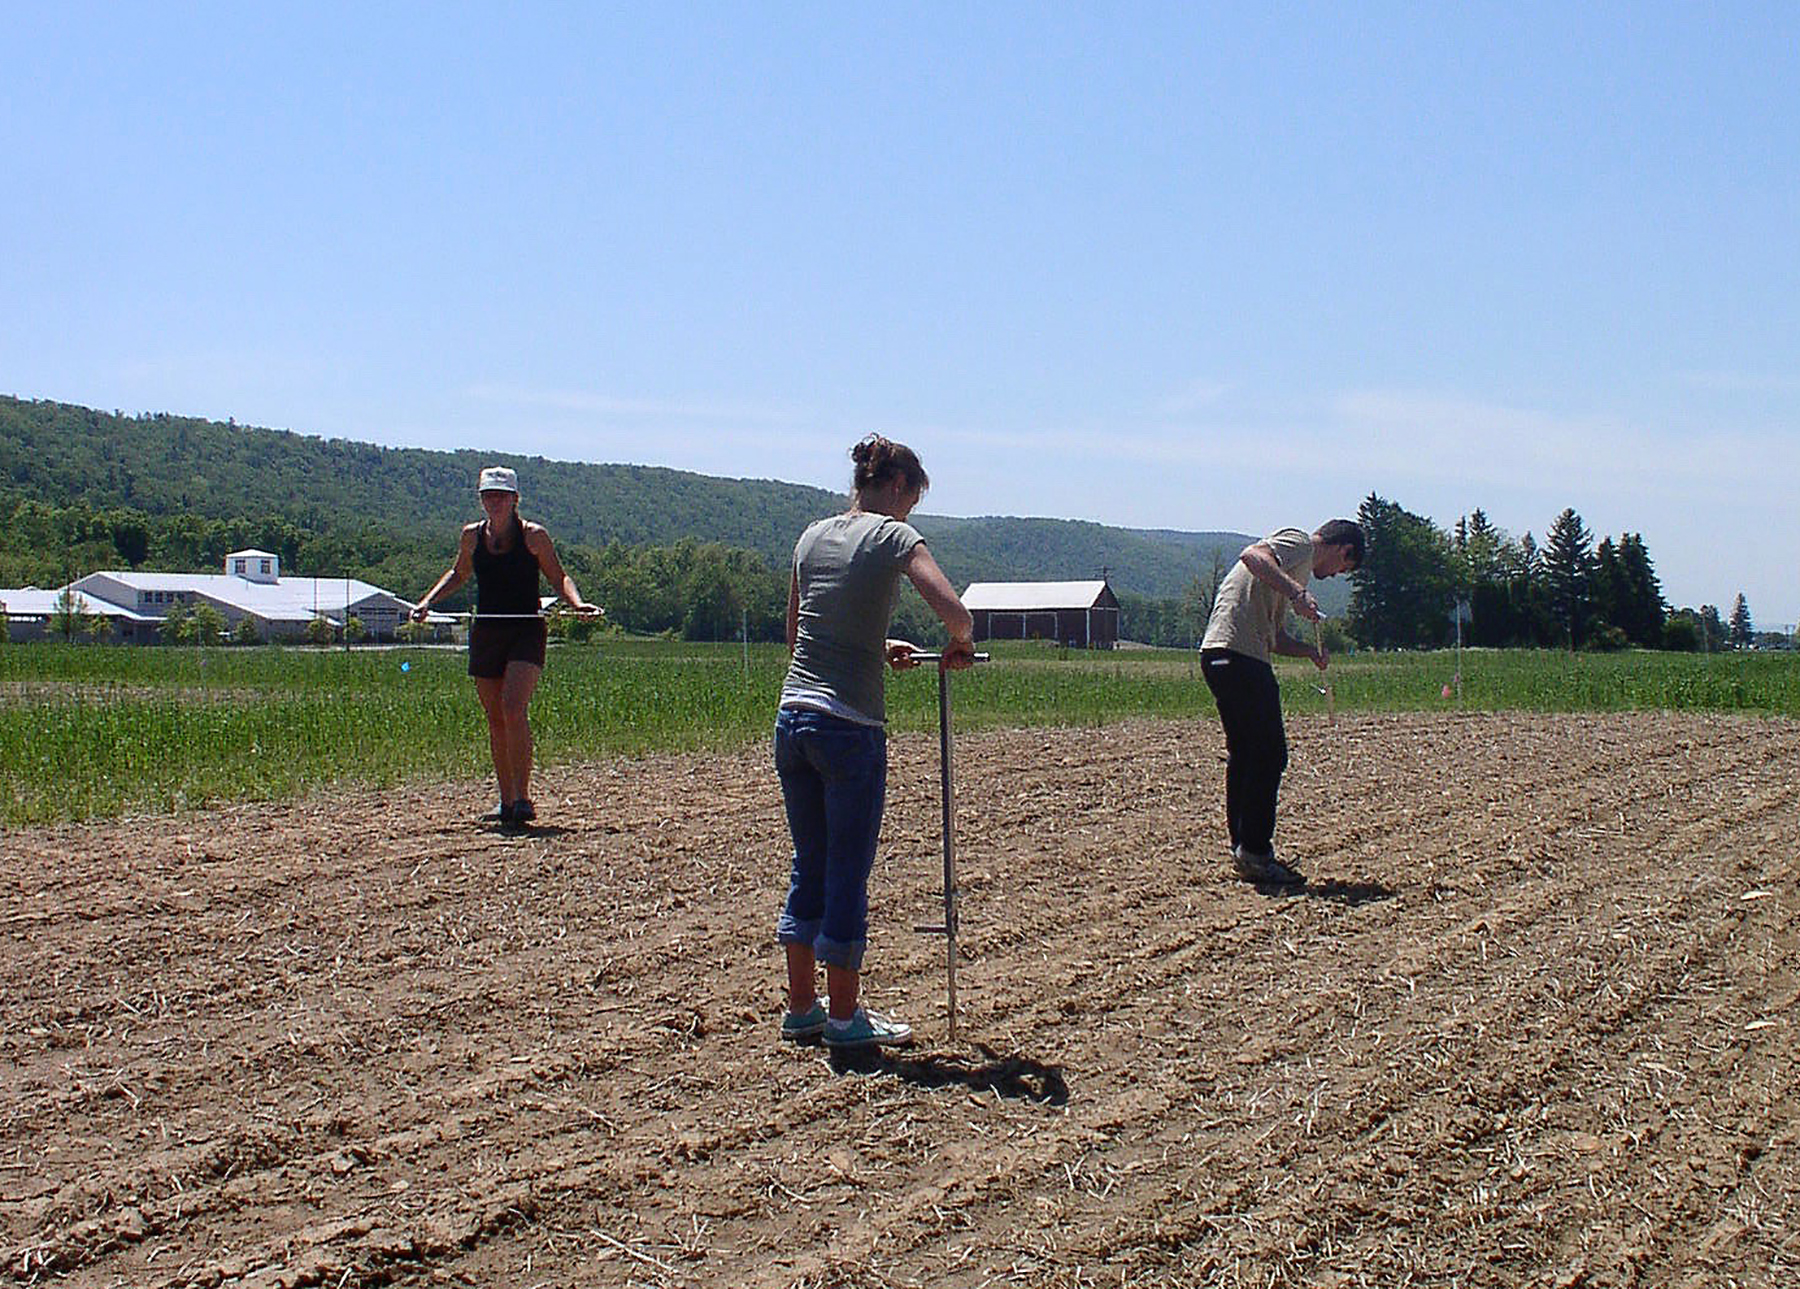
(1015, 1077)
(1347, 893)
(525, 831)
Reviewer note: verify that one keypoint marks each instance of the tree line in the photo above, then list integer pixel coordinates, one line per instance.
(1567, 593)
(691, 589)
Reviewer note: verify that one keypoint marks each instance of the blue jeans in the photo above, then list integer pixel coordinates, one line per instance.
(834, 784)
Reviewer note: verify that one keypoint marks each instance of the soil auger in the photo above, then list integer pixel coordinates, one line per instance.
(947, 928)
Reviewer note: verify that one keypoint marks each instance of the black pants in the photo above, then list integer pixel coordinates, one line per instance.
(1255, 744)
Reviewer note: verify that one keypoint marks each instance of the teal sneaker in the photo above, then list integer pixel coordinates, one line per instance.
(868, 1029)
(800, 1027)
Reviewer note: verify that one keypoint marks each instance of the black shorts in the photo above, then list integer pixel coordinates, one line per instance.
(494, 644)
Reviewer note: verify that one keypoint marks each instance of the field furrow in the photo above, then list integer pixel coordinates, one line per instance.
(1531, 1024)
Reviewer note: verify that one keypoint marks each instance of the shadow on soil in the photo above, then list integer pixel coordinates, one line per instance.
(534, 830)
(1348, 893)
(1015, 1077)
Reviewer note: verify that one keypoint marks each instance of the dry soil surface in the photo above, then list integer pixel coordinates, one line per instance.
(1533, 1023)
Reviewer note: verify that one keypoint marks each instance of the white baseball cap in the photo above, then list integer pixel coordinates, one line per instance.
(497, 478)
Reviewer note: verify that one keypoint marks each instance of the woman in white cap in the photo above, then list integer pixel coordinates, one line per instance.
(507, 638)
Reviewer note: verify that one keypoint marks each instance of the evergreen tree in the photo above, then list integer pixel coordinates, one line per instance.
(1609, 599)
(1495, 575)
(1405, 587)
(1480, 549)
(1568, 575)
(1606, 587)
(1742, 631)
(1644, 610)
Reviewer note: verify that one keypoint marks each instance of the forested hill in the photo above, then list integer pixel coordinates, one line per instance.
(162, 466)
(168, 465)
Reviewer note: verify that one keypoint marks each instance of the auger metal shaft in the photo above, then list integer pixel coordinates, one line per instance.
(947, 786)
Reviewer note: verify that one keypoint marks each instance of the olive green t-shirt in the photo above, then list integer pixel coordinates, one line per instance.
(848, 569)
(1247, 614)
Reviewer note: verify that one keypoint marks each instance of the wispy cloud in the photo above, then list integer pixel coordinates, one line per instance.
(1196, 396)
(1425, 436)
(1736, 382)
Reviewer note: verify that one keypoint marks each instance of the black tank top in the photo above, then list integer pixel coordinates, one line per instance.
(507, 582)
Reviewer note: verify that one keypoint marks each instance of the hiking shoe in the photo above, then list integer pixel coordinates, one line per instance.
(501, 814)
(522, 811)
(802, 1027)
(1259, 867)
(868, 1029)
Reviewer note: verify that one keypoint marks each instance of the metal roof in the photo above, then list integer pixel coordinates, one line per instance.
(1017, 597)
(292, 599)
(30, 602)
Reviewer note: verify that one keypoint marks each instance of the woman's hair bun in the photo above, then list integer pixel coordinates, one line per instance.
(879, 459)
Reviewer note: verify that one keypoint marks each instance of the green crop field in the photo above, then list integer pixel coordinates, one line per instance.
(94, 731)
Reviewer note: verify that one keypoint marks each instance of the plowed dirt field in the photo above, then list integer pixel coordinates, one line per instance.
(1533, 1023)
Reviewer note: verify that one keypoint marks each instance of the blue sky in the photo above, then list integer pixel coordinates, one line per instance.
(1191, 266)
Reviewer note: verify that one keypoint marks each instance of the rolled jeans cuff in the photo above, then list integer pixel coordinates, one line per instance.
(847, 954)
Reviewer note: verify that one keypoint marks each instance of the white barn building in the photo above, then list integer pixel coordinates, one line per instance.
(251, 587)
(29, 613)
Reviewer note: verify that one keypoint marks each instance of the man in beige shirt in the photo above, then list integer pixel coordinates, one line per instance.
(1246, 627)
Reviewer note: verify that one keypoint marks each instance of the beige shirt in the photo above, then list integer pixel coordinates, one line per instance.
(1247, 614)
